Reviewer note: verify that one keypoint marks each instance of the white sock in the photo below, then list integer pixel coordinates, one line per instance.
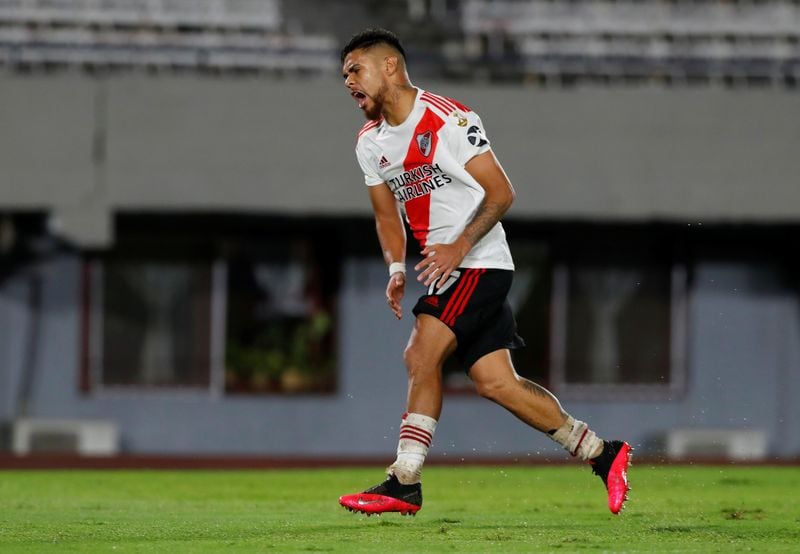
(577, 439)
(416, 436)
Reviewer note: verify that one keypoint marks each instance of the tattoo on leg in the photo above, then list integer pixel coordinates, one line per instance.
(535, 389)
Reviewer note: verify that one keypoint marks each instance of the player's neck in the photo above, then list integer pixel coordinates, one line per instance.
(399, 103)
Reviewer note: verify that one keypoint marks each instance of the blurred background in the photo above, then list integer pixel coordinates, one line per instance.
(188, 264)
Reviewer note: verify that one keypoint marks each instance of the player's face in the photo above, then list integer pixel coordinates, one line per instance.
(365, 81)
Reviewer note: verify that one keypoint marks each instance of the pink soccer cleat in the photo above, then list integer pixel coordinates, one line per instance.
(389, 496)
(612, 467)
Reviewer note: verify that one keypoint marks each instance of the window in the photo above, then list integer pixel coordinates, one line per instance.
(618, 323)
(235, 309)
(602, 310)
(149, 314)
(280, 333)
(155, 318)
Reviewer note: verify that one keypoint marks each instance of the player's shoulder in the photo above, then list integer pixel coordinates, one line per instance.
(444, 104)
(454, 113)
(370, 127)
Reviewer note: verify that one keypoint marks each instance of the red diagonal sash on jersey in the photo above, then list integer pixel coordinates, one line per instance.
(418, 209)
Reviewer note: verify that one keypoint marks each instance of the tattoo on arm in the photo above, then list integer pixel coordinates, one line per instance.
(487, 216)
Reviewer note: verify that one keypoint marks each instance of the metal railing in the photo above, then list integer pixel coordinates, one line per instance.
(258, 14)
(194, 34)
(677, 39)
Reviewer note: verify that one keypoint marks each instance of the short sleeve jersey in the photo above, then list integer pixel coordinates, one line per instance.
(422, 162)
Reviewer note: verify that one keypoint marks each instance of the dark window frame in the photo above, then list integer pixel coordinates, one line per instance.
(204, 237)
(675, 382)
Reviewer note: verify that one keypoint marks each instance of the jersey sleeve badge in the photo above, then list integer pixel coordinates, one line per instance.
(475, 136)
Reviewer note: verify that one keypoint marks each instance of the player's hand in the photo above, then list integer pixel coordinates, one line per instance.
(440, 260)
(394, 293)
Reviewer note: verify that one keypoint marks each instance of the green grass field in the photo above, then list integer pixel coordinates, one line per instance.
(467, 509)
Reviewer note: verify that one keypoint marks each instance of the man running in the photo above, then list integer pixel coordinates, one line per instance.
(427, 158)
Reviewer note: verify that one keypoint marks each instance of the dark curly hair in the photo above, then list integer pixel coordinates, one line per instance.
(371, 37)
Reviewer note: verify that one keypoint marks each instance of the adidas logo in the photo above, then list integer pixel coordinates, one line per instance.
(384, 162)
(432, 300)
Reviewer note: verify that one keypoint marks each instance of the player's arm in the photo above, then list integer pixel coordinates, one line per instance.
(442, 259)
(392, 237)
(499, 196)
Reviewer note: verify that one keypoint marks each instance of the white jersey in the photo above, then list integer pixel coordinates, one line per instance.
(422, 161)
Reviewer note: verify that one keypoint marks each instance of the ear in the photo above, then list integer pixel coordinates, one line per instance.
(390, 65)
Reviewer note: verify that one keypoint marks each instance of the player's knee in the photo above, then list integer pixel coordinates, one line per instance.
(491, 387)
(412, 360)
(416, 365)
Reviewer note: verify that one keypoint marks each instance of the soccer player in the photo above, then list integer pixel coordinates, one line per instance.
(426, 157)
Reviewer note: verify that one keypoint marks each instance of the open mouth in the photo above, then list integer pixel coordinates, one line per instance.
(360, 97)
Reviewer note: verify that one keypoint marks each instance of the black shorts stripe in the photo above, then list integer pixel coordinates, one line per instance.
(476, 309)
(469, 290)
(457, 294)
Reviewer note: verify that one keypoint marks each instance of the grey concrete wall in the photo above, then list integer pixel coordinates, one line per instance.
(84, 146)
(47, 131)
(648, 153)
(743, 359)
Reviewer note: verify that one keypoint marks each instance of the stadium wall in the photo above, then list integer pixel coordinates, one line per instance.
(744, 351)
(84, 147)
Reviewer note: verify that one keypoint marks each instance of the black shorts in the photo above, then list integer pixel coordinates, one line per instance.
(475, 307)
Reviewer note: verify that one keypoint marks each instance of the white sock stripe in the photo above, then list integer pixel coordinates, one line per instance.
(579, 428)
(420, 430)
(577, 446)
(416, 429)
(417, 438)
(577, 439)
